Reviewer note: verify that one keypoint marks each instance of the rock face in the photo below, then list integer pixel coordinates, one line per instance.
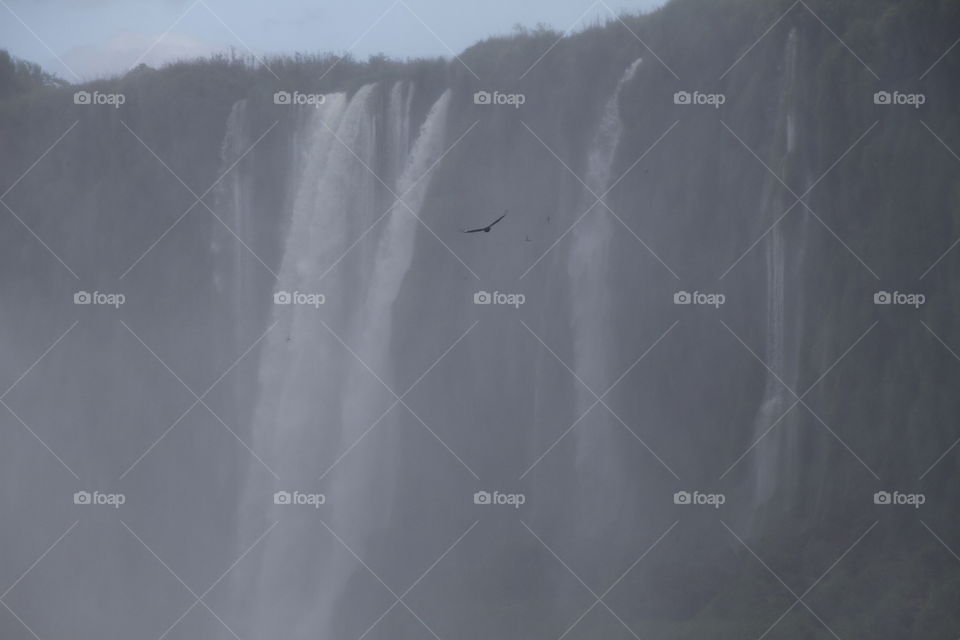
(662, 380)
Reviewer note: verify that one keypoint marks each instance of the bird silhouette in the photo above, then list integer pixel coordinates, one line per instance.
(487, 228)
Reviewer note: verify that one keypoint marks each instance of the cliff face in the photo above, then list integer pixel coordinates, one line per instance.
(697, 153)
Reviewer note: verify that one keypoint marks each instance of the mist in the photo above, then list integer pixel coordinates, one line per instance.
(642, 329)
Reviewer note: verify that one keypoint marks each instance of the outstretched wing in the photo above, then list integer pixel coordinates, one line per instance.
(498, 219)
(488, 227)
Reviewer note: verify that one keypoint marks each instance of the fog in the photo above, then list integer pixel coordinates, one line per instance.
(644, 330)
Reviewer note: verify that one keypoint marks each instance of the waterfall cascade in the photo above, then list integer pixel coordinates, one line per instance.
(773, 456)
(588, 264)
(311, 388)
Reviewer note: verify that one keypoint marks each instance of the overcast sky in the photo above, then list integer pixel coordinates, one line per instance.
(88, 38)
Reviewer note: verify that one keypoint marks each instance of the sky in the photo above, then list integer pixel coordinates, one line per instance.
(83, 39)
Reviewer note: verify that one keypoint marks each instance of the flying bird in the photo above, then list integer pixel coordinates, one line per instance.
(487, 228)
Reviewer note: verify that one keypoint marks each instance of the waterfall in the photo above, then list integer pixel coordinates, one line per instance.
(298, 380)
(773, 455)
(775, 398)
(790, 89)
(230, 191)
(237, 277)
(392, 260)
(589, 252)
(591, 310)
(398, 130)
(312, 391)
(372, 325)
(364, 492)
(231, 277)
(298, 361)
